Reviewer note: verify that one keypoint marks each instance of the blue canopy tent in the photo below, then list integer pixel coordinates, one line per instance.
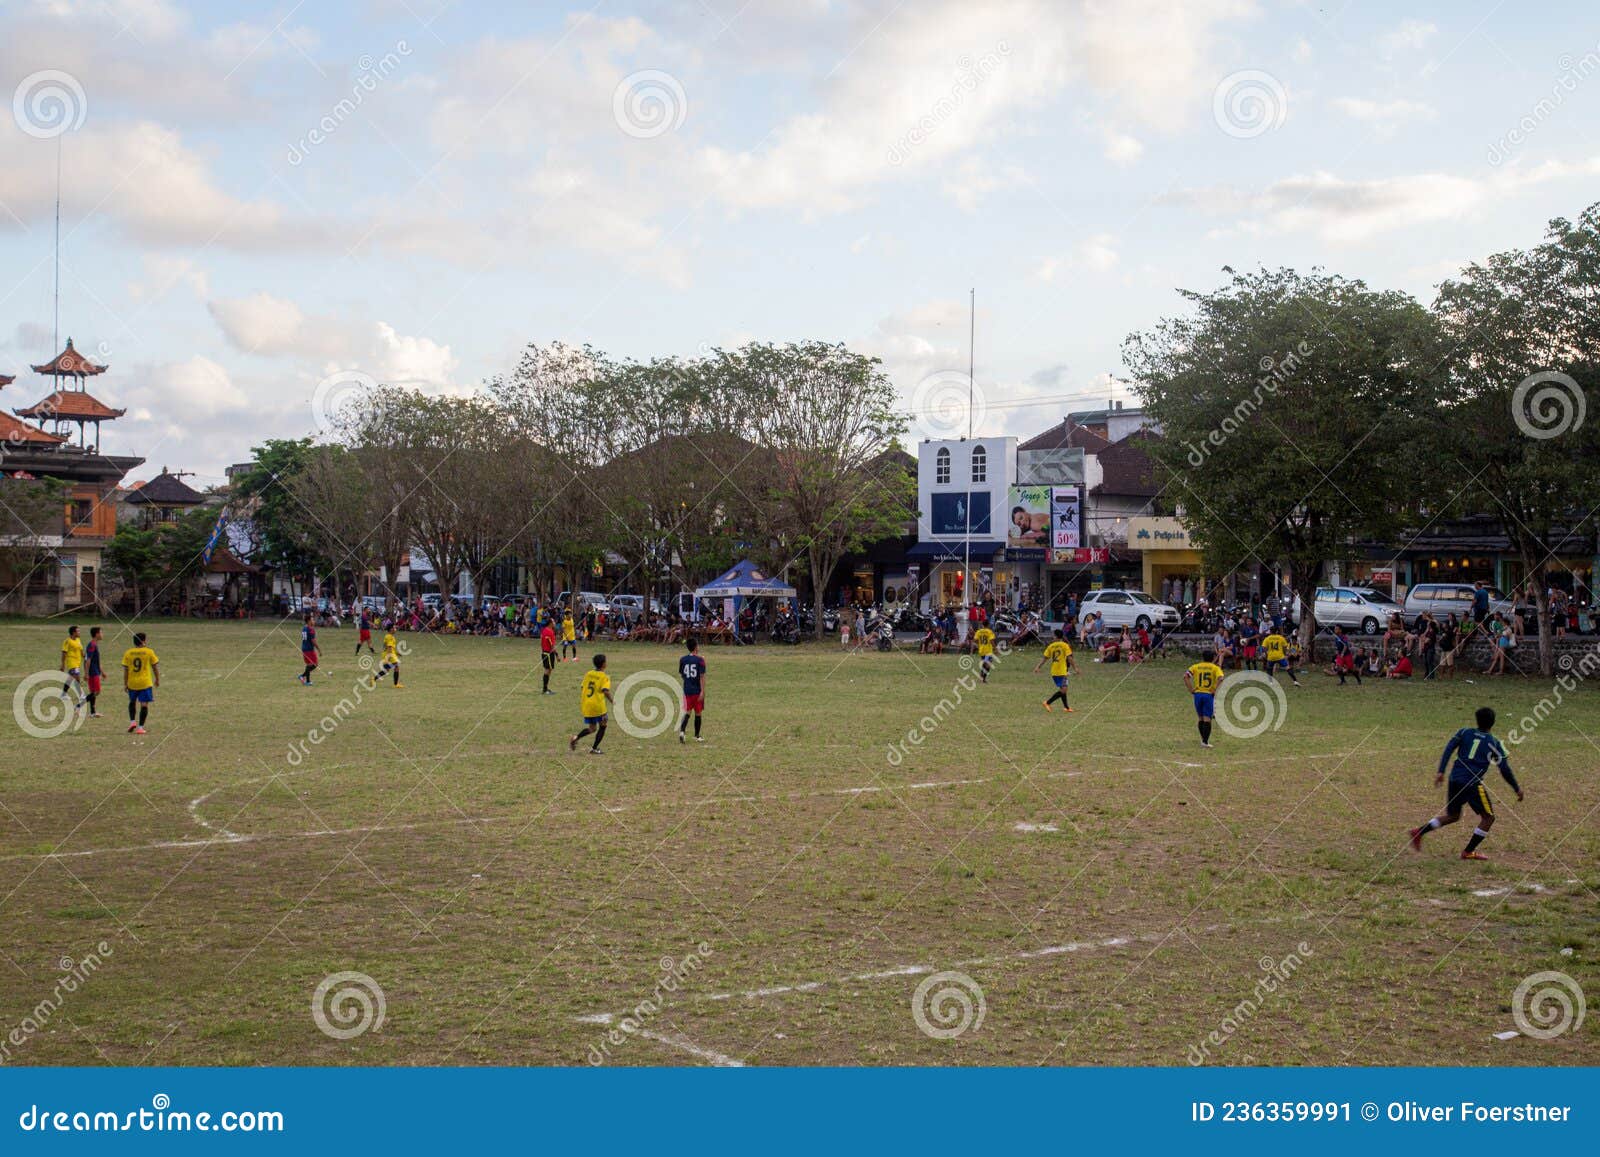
(742, 581)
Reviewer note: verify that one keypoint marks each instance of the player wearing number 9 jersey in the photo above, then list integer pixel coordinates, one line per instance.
(1474, 749)
(1202, 679)
(141, 675)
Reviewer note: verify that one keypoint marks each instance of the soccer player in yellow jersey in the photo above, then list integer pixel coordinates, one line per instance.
(983, 639)
(1276, 650)
(72, 666)
(1059, 655)
(594, 700)
(391, 659)
(141, 675)
(1202, 679)
(569, 635)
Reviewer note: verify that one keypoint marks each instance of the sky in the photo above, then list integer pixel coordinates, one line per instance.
(262, 203)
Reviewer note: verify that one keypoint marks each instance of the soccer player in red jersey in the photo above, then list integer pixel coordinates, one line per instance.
(547, 653)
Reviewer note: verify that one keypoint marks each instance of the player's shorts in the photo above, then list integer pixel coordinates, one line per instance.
(1447, 658)
(593, 720)
(694, 703)
(1060, 680)
(143, 695)
(391, 659)
(366, 635)
(310, 657)
(1274, 664)
(1249, 651)
(1472, 795)
(1205, 704)
(549, 658)
(94, 684)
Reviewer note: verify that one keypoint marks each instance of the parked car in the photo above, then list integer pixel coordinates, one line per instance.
(632, 606)
(1456, 598)
(1361, 608)
(1119, 608)
(586, 600)
(432, 601)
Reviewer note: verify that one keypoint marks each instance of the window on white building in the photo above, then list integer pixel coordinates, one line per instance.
(941, 468)
(980, 464)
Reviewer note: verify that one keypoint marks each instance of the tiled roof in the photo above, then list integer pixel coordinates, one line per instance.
(1068, 435)
(72, 405)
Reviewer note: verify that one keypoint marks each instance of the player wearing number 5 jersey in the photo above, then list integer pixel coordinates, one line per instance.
(1474, 750)
(1202, 679)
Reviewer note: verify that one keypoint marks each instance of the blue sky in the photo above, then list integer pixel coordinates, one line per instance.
(657, 178)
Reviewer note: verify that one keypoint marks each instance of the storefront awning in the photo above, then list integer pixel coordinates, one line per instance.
(981, 550)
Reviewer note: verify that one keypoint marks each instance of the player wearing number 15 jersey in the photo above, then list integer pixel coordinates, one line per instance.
(1202, 679)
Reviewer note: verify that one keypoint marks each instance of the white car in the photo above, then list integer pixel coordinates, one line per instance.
(1128, 609)
(632, 606)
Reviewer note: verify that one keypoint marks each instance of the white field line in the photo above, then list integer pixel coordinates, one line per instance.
(225, 837)
(672, 1040)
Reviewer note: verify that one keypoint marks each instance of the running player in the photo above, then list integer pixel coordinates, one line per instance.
(391, 660)
(141, 675)
(364, 638)
(72, 665)
(308, 649)
(547, 651)
(1275, 650)
(1059, 654)
(693, 669)
(594, 700)
(983, 639)
(1474, 748)
(94, 672)
(1202, 679)
(569, 635)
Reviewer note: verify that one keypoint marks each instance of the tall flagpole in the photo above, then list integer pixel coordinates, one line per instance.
(972, 337)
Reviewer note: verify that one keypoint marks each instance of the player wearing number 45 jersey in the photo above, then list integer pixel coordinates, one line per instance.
(1474, 749)
(693, 669)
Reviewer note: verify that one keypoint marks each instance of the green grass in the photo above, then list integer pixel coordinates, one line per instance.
(441, 840)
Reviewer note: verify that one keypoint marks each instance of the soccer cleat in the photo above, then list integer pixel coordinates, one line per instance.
(132, 727)
(699, 739)
(137, 730)
(682, 738)
(1473, 856)
(595, 751)
(1416, 838)
(1047, 707)
(96, 715)
(1205, 743)
(572, 744)
(399, 686)
(1067, 709)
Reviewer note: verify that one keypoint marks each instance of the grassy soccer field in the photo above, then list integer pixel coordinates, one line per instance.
(1110, 892)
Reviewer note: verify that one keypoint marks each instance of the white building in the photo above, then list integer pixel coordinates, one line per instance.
(962, 488)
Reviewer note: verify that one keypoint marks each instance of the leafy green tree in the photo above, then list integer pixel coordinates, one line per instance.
(1520, 437)
(1290, 407)
(280, 521)
(32, 514)
(134, 556)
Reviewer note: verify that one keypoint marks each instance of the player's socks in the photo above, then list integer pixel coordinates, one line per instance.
(1478, 836)
(598, 736)
(697, 727)
(144, 713)
(397, 676)
(92, 697)
(1205, 731)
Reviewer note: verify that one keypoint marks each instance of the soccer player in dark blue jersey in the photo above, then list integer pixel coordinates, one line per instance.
(693, 670)
(1474, 750)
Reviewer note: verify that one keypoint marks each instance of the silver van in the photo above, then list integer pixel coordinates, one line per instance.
(1451, 599)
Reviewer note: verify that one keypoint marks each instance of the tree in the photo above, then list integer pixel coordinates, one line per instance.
(281, 524)
(1520, 434)
(134, 556)
(32, 513)
(1288, 405)
(825, 418)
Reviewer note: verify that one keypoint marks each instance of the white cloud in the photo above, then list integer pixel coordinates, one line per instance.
(1121, 149)
(1386, 117)
(1301, 52)
(973, 180)
(1096, 254)
(163, 273)
(1408, 37)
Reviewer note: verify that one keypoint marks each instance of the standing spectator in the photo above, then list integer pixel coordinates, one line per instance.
(1480, 602)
